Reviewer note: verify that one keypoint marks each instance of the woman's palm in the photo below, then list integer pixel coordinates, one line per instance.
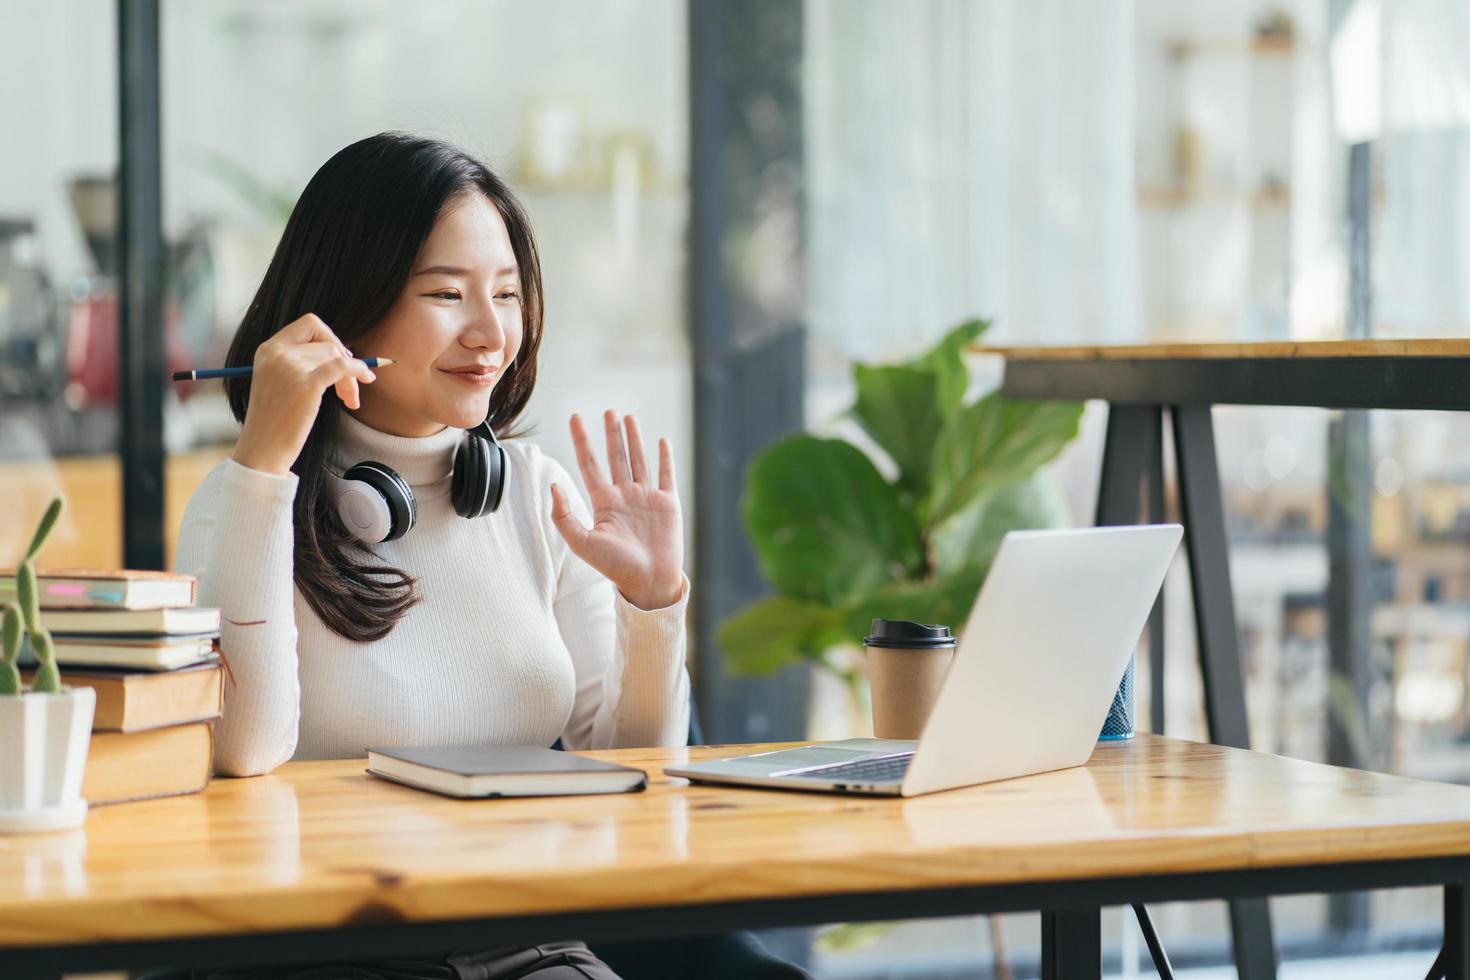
(637, 533)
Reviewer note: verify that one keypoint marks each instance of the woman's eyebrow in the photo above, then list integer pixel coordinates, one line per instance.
(454, 270)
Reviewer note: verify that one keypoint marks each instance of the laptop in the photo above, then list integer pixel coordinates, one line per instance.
(1032, 679)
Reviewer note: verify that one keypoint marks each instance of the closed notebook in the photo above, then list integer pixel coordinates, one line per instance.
(169, 761)
(502, 770)
(130, 701)
(130, 622)
(112, 588)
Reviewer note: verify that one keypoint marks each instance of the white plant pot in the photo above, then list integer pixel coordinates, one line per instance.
(43, 754)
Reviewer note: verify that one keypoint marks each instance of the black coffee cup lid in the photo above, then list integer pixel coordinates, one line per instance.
(903, 634)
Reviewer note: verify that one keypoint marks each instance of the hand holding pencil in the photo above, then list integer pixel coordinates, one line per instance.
(208, 374)
(291, 372)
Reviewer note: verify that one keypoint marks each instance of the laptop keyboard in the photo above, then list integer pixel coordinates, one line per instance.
(881, 769)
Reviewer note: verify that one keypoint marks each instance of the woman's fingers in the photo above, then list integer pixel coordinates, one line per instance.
(347, 391)
(310, 331)
(665, 465)
(617, 455)
(627, 462)
(340, 371)
(586, 459)
(637, 456)
(309, 328)
(566, 522)
(304, 330)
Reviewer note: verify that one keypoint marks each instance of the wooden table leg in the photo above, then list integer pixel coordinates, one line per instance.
(1071, 944)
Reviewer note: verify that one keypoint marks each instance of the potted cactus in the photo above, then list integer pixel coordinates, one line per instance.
(44, 731)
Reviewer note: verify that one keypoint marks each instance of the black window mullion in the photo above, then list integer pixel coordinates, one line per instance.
(140, 285)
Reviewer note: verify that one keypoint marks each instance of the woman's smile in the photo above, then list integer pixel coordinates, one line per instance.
(476, 375)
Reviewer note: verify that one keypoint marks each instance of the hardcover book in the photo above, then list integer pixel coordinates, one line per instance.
(114, 588)
(169, 761)
(502, 770)
(132, 701)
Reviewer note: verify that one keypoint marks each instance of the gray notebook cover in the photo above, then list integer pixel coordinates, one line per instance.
(499, 760)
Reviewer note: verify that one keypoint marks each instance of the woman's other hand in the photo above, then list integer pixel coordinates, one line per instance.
(637, 533)
(291, 371)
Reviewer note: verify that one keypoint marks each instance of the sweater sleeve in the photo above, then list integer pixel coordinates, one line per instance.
(632, 685)
(237, 540)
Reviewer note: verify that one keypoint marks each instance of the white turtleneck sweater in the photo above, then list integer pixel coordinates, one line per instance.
(516, 639)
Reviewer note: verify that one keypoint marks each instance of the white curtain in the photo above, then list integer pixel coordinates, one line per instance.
(1422, 252)
(969, 157)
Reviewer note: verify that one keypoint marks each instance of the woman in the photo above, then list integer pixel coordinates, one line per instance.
(522, 626)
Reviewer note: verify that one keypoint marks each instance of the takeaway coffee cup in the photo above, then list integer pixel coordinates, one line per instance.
(906, 666)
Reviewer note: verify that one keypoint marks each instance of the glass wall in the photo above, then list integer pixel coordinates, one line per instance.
(58, 292)
(583, 108)
(1163, 170)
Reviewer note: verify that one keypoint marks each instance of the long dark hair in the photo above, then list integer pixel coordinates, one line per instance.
(346, 254)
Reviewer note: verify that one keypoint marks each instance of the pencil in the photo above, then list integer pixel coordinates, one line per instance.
(204, 374)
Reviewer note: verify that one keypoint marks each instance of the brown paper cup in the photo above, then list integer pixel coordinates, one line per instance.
(905, 684)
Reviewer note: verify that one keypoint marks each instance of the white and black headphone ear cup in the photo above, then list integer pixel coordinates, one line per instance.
(499, 473)
(374, 503)
(478, 483)
(361, 509)
(466, 484)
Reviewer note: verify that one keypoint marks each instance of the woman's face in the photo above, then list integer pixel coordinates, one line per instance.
(453, 331)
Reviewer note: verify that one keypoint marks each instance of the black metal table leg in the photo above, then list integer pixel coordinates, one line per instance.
(1133, 455)
(1203, 513)
(1250, 932)
(1154, 462)
(1455, 957)
(1125, 454)
(1156, 950)
(1071, 944)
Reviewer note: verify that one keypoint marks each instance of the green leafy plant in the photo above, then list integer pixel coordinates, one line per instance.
(27, 618)
(843, 544)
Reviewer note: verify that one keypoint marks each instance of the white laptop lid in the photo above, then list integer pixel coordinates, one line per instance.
(1042, 654)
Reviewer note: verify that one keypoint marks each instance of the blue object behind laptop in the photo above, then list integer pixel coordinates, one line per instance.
(1120, 716)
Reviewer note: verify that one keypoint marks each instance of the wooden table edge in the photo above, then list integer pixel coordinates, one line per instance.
(360, 895)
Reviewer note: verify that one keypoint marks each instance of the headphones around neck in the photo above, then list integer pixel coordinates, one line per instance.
(376, 504)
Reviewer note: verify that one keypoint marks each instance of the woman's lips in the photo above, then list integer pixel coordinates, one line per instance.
(479, 377)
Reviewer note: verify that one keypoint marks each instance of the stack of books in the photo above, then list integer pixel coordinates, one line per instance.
(137, 639)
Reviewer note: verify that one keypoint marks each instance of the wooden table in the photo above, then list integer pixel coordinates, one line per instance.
(319, 861)
(1141, 384)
